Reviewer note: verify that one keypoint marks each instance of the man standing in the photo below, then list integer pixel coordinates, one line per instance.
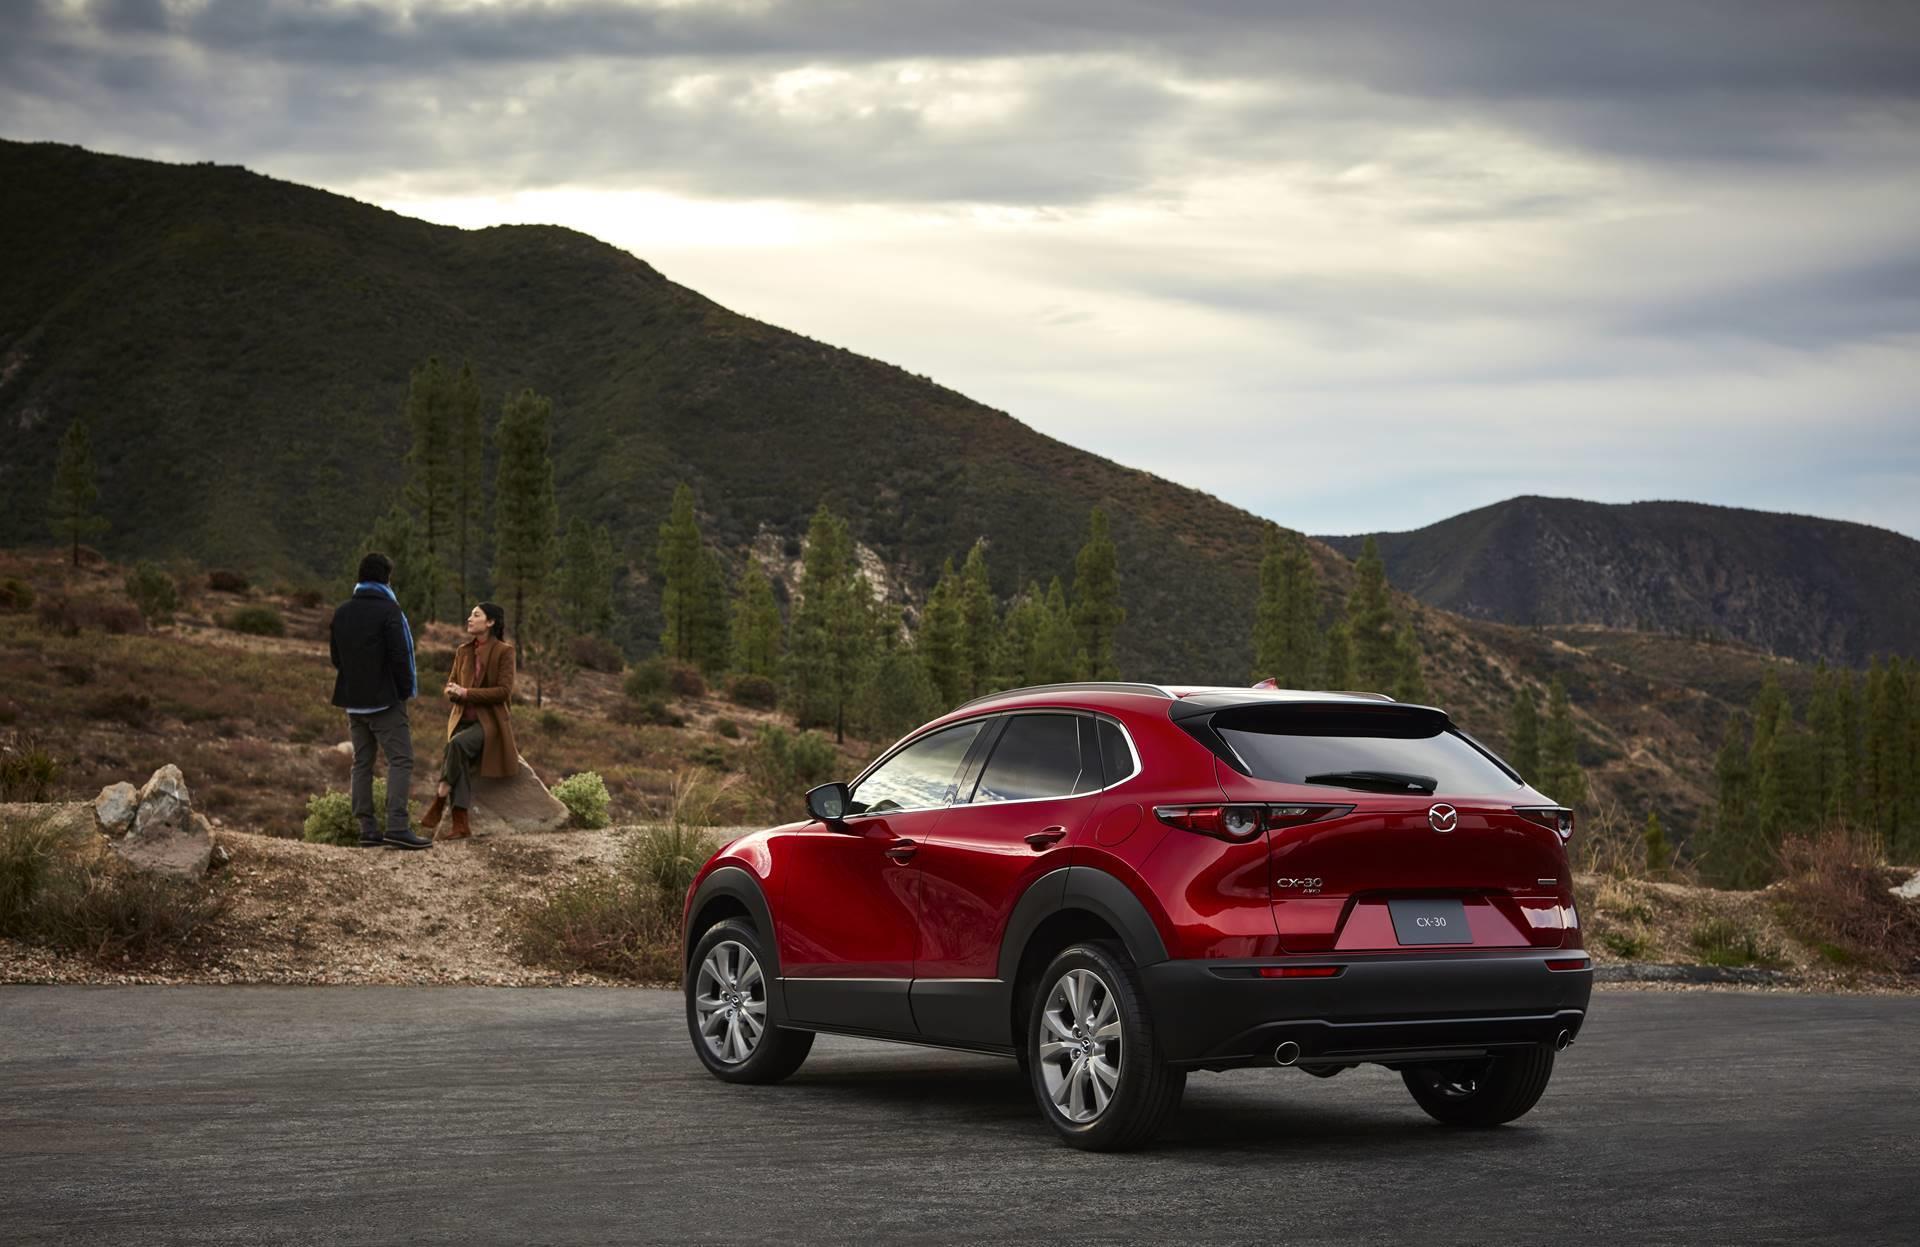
(372, 649)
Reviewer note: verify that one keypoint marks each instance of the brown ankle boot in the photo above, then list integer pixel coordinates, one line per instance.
(457, 828)
(432, 818)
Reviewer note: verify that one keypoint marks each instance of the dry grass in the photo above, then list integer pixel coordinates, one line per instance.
(71, 894)
(1835, 896)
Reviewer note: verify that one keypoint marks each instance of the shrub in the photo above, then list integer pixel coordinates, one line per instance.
(72, 894)
(651, 713)
(596, 653)
(782, 765)
(756, 691)
(552, 722)
(255, 621)
(727, 728)
(585, 796)
(1835, 896)
(122, 706)
(153, 592)
(72, 616)
(1724, 942)
(27, 771)
(330, 815)
(1631, 944)
(75, 673)
(15, 594)
(226, 582)
(647, 680)
(607, 922)
(308, 599)
(686, 681)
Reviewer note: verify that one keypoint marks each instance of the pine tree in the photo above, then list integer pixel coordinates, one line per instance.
(1524, 728)
(980, 627)
(585, 598)
(1339, 658)
(1829, 755)
(895, 696)
(1409, 680)
(70, 506)
(835, 634)
(1097, 613)
(1848, 699)
(1772, 720)
(524, 516)
(469, 502)
(1659, 851)
(711, 643)
(1016, 656)
(681, 561)
(943, 638)
(1560, 775)
(1733, 857)
(433, 466)
(756, 624)
(1286, 630)
(1371, 623)
(1054, 655)
(396, 536)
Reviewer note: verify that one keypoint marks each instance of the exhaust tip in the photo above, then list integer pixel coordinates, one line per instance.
(1562, 1040)
(1289, 1052)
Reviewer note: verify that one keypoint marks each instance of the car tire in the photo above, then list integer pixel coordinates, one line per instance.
(1093, 1059)
(728, 1013)
(1488, 1092)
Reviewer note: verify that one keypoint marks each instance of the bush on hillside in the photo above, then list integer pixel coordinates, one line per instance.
(1835, 896)
(727, 728)
(647, 680)
(153, 592)
(70, 616)
(122, 706)
(15, 594)
(259, 620)
(782, 765)
(755, 691)
(226, 582)
(596, 653)
(70, 893)
(27, 771)
(585, 796)
(686, 681)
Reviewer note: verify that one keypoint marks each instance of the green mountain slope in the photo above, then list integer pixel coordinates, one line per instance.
(242, 346)
(1801, 587)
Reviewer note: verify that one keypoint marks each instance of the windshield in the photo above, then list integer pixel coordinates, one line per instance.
(1365, 751)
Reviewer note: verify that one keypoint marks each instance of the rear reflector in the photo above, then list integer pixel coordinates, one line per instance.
(1299, 972)
(1567, 963)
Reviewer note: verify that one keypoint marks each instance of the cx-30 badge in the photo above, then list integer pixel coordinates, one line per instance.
(1443, 818)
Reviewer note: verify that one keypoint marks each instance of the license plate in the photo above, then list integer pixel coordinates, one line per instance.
(1430, 922)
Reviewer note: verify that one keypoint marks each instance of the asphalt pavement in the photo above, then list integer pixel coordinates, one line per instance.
(458, 1115)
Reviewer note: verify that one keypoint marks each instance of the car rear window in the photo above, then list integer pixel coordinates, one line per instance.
(1294, 745)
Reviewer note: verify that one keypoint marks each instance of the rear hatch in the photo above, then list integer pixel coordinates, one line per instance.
(1387, 828)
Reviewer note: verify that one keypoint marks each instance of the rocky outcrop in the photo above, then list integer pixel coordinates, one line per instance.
(165, 833)
(114, 808)
(520, 804)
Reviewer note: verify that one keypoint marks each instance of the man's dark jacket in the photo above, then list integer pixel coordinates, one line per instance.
(369, 644)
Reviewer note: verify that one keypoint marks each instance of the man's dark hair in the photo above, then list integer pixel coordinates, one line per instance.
(377, 568)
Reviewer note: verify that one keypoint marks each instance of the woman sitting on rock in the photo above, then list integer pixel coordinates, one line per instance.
(480, 725)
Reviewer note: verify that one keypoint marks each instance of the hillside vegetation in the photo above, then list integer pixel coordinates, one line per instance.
(1797, 586)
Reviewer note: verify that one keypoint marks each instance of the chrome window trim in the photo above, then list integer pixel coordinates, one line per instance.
(1094, 715)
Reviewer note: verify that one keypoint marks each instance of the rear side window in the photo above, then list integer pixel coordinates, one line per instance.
(1376, 751)
(919, 777)
(1041, 755)
(1115, 756)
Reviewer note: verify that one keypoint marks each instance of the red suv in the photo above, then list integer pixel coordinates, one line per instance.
(1118, 883)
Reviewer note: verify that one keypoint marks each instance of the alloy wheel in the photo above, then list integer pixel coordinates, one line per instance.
(730, 1002)
(1080, 1046)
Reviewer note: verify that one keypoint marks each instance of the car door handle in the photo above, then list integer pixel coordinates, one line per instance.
(1042, 839)
(903, 850)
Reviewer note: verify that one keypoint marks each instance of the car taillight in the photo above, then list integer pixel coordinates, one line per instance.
(1240, 823)
(1555, 818)
(1567, 963)
(1298, 972)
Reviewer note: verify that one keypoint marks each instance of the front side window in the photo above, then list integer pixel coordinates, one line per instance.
(919, 777)
(1041, 755)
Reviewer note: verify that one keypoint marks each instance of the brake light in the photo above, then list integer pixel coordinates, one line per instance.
(1240, 823)
(1299, 972)
(1555, 818)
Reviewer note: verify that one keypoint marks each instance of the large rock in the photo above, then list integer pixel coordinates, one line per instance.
(115, 807)
(167, 834)
(518, 804)
(1910, 890)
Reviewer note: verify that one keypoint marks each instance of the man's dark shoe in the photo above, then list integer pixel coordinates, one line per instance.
(407, 840)
(376, 842)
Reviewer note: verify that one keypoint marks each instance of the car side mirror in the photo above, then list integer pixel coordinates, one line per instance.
(829, 802)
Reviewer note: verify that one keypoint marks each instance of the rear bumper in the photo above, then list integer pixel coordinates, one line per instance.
(1379, 1007)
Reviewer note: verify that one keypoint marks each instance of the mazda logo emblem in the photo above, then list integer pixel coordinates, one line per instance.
(1443, 818)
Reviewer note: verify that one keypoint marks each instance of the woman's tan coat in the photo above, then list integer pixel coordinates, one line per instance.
(490, 693)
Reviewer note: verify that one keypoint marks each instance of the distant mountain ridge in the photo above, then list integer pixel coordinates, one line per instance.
(1798, 586)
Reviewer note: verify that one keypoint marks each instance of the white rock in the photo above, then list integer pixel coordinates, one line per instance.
(167, 834)
(115, 807)
(1910, 890)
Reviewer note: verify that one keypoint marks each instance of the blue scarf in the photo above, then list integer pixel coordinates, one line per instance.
(413, 671)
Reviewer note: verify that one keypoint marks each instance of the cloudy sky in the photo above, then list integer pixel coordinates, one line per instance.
(1350, 265)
